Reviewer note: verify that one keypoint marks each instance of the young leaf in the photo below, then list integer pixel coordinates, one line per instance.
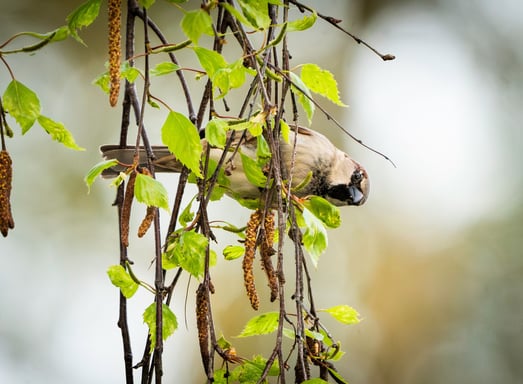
(344, 314)
(58, 132)
(188, 252)
(261, 325)
(216, 133)
(302, 24)
(315, 380)
(285, 131)
(181, 136)
(21, 103)
(253, 172)
(211, 61)
(186, 216)
(325, 211)
(150, 192)
(257, 12)
(82, 17)
(322, 82)
(128, 72)
(121, 279)
(301, 91)
(169, 322)
(103, 81)
(97, 170)
(237, 15)
(196, 23)
(164, 68)
(315, 236)
(232, 252)
(146, 3)
(262, 148)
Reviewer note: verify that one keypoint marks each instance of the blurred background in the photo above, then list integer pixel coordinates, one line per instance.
(433, 261)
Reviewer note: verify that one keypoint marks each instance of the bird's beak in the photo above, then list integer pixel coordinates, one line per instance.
(357, 196)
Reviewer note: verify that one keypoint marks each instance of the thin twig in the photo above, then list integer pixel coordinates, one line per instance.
(335, 23)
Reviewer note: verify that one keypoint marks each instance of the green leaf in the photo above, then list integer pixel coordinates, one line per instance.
(250, 371)
(186, 216)
(196, 23)
(261, 325)
(216, 133)
(188, 251)
(164, 68)
(262, 148)
(315, 237)
(344, 314)
(82, 17)
(128, 72)
(169, 322)
(253, 171)
(322, 82)
(302, 24)
(232, 252)
(304, 95)
(257, 12)
(316, 380)
(285, 131)
(103, 81)
(237, 14)
(211, 61)
(97, 170)
(324, 210)
(58, 132)
(121, 279)
(238, 72)
(146, 3)
(181, 136)
(150, 192)
(21, 103)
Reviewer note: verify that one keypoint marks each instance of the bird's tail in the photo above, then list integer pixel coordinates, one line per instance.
(164, 160)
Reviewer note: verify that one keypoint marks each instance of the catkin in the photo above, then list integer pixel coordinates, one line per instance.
(266, 252)
(126, 209)
(114, 50)
(6, 178)
(248, 259)
(202, 323)
(147, 221)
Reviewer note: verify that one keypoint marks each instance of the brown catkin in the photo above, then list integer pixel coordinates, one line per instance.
(126, 209)
(202, 323)
(248, 259)
(266, 252)
(114, 49)
(147, 221)
(6, 178)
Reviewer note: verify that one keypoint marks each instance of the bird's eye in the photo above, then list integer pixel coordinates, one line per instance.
(356, 177)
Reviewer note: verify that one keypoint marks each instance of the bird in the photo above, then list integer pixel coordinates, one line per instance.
(331, 173)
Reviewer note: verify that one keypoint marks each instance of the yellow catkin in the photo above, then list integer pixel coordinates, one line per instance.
(6, 178)
(114, 49)
(248, 259)
(266, 252)
(147, 221)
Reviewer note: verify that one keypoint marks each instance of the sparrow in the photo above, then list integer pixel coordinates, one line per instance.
(332, 173)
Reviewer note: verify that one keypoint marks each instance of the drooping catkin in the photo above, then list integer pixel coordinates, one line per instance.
(202, 323)
(147, 221)
(126, 209)
(114, 49)
(248, 259)
(266, 252)
(6, 178)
